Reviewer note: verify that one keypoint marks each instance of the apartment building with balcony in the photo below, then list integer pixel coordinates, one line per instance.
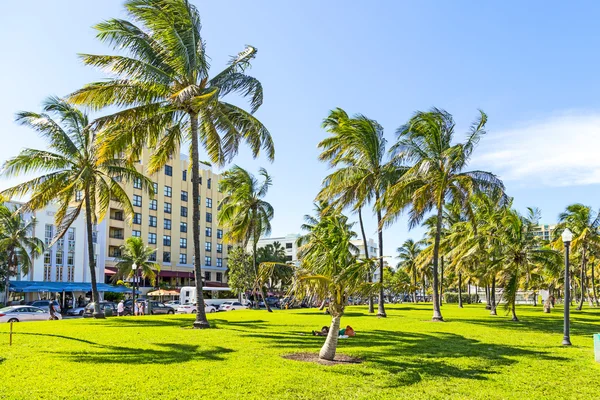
(165, 223)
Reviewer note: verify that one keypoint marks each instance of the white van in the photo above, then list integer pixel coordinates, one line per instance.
(187, 295)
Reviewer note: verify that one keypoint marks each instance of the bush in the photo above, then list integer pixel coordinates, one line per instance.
(451, 297)
(109, 296)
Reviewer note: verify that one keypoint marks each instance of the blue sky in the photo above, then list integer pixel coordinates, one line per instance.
(531, 66)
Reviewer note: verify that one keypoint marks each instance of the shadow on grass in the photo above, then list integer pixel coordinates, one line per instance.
(410, 357)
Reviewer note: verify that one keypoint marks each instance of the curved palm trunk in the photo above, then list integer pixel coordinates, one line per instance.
(493, 297)
(91, 261)
(330, 346)
(322, 306)
(582, 280)
(364, 236)
(460, 303)
(513, 310)
(201, 322)
(437, 313)
(595, 297)
(380, 305)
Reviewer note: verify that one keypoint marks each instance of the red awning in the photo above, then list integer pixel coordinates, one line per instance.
(109, 271)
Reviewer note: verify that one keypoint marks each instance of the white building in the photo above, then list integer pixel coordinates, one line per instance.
(288, 242)
(373, 249)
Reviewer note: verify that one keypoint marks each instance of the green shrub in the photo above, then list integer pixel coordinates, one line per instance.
(452, 297)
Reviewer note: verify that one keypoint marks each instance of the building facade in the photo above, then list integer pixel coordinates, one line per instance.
(288, 242)
(544, 232)
(164, 222)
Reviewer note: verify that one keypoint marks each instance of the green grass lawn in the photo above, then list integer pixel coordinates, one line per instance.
(472, 355)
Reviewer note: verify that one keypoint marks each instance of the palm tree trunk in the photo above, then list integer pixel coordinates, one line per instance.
(594, 287)
(424, 288)
(460, 303)
(582, 279)
(441, 279)
(534, 299)
(381, 307)
(488, 299)
(201, 322)
(415, 285)
(330, 346)
(493, 297)
(260, 284)
(437, 313)
(91, 260)
(469, 291)
(365, 243)
(322, 306)
(513, 310)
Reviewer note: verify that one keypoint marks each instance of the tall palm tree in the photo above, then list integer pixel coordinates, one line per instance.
(330, 268)
(243, 212)
(167, 96)
(134, 251)
(72, 174)
(17, 243)
(585, 225)
(408, 254)
(436, 174)
(357, 148)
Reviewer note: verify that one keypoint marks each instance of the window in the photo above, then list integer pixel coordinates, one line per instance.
(182, 258)
(219, 277)
(166, 240)
(59, 257)
(219, 248)
(207, 261)
(78, 195)
(136, 233)
(207, 275)
(183, 243)
(47, 272)
(137, 183)
(288, 245)
(219, 233)
(70, 274)
(154, 204)
(182, 227)
(70, 258)
(153, 221)
(152, 238)
(137, 200)
(168, 191)
(137, 218)
(208, 246)
(71, 234)
(184, 175)
(152, 257)
(208, 217)
(48, 257)
(168, 170)
(167, 256)
(49, 229)
(219, 262)
(167, 224)
(114, 252)
(183, 211)
(208, 232)
(59, 273)
(183, 195)
(208, 202)
(155, 186)
(168, 208)
(208, 183)
(288, 258)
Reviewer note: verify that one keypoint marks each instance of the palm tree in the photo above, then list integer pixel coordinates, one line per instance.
(436, 174)
(73, 174)
(167, 97)
(134, 251)
(585, 225)
(408, 254)
(17, 243)
(357, 147)
(243, 212)
(330, 268)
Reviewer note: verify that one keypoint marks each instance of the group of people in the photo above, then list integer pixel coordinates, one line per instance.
(139, 308)
(343, 333)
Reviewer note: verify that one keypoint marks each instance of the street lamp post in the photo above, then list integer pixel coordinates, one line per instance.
(134, 270)
(567, 236)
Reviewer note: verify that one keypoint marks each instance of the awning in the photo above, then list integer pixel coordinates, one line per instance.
(57, 287)
(163, 292)
(109, 271)
(176, 274)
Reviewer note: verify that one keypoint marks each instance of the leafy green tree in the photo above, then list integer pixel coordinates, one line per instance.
(72, 173)
(244, 214)
(18, 245)
(134, 251)
(436, 174)
(273, 268)
(167, 97)
(408, 254)
(357, 148)
(240, 270)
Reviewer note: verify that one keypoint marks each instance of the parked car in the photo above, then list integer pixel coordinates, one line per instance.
(45, 305)
(173, 303)
(191, 308)
(109, 308)
(77, 311)
(24, 313)
(232, 305)
(160, 308)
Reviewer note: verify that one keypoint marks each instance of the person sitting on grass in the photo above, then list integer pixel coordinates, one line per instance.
(347, 331)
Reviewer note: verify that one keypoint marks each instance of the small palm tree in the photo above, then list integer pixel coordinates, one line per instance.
(17, 243)
(408, 254)
(330, 268)
(134, 251)
(436, 175)
(243, 212)
(357, 148)
(73, 174)
(168, 97)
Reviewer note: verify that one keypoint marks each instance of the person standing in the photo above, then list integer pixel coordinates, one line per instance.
(136, 308)
(52, 310)
(142, 308)
(120, 308)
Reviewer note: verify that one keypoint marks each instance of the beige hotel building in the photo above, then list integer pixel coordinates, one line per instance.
(165, 223)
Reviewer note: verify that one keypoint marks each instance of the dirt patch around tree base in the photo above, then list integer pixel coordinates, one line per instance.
(340, 359)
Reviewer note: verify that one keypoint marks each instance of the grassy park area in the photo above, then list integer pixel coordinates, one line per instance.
(472, 355)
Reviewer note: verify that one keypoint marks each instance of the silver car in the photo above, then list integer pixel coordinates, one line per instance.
(24, 313)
